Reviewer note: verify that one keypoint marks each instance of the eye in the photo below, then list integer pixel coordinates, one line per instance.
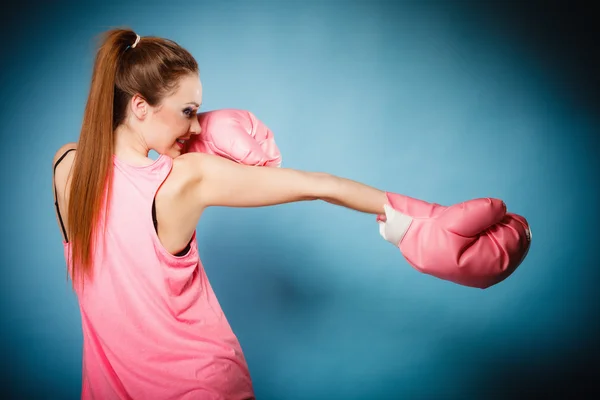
(189, 112)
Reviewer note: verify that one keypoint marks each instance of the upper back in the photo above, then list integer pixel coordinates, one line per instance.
(175, 215)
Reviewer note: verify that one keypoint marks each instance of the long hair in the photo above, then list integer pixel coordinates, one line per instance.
(151, 68)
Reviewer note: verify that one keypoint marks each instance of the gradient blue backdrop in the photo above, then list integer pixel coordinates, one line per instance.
(434, 101)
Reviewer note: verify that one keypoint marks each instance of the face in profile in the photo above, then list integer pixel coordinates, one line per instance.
(168, 126)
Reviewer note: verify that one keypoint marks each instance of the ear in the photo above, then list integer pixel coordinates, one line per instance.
(139, 106)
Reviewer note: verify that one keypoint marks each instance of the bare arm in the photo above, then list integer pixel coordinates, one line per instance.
(354, 195)
(220, 182)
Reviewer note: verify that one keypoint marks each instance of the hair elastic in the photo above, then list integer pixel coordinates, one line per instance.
(137, 40)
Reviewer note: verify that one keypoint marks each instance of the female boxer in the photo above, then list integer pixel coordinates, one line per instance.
(152, 326)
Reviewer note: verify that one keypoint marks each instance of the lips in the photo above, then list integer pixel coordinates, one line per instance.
(181, 143)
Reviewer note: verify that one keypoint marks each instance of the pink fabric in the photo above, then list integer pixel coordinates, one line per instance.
(152, 325)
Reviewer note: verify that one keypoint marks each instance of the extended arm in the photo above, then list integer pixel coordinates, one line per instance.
(220, 182)
(475, 243)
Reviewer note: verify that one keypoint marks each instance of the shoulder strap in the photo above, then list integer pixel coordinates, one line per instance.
(62, 225)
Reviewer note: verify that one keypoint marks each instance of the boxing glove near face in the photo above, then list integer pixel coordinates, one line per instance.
(475, 243)
(236, 135)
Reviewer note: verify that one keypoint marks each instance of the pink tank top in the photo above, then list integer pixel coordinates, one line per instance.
(152, 325)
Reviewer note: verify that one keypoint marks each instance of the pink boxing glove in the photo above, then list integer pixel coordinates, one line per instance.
(475, 243)
(237, 135)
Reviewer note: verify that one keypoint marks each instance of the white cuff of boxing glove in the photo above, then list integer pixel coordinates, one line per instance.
(395, 226)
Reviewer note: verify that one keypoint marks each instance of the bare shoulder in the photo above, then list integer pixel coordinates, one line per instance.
(181, 184)
(187, 170)
(185, 182)
(190, 169)
(62, 164)
(62, 151)
(61, 174)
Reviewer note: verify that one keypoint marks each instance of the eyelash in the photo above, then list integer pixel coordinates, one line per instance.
(189, 113)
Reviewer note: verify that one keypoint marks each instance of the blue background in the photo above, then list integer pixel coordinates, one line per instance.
(442, 101)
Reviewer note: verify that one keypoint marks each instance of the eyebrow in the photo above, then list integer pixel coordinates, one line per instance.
(194, 103)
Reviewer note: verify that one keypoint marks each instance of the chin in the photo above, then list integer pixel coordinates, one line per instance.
(175, 152)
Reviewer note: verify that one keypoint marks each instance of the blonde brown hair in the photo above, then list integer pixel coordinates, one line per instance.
(152, 68)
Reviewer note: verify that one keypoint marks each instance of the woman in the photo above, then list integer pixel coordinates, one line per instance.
(152, 326)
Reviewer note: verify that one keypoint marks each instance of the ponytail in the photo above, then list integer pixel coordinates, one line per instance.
(92, 170)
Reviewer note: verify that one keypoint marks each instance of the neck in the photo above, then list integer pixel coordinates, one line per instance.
(130, 147)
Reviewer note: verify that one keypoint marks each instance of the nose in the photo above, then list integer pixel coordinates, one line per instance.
(195, 128)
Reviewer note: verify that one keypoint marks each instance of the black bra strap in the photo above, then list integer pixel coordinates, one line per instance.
(56, 196)
(182, 252)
